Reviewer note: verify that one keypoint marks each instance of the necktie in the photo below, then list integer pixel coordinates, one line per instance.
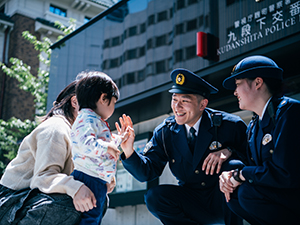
(192, 139)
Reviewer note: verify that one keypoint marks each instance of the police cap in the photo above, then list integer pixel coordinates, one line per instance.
(186, 82)
(252, 67)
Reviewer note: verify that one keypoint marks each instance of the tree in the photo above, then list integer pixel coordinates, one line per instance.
(14, 130)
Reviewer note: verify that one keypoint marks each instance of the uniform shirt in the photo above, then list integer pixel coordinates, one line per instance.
(90, 137)
(196, 127)
(44, 160)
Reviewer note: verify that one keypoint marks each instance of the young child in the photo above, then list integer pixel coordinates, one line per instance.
(94, 147)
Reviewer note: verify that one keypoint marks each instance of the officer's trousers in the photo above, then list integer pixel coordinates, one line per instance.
(266, 206)
(182, 205)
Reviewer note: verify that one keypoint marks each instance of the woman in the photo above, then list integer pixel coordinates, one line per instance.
(267, 190)
(36, 187)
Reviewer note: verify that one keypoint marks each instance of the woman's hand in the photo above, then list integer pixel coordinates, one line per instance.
(84, 199)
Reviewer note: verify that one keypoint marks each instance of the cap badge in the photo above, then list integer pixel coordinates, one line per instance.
(215, 145)
(266, 139)
(180, 79)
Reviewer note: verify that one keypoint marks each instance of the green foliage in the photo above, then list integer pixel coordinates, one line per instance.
(14, 130)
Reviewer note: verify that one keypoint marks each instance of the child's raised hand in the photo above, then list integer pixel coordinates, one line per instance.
(129, 135)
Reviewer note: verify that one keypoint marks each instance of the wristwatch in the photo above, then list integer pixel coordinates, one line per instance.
(236, 175)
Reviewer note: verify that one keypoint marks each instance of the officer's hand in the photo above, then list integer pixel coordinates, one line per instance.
(215, 159)
(126, 126)
(84, 199)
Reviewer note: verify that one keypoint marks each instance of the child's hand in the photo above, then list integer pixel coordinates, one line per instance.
(111, 186)
(127, 129)
(113, 151)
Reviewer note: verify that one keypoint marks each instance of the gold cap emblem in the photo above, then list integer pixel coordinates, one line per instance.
(180, 79)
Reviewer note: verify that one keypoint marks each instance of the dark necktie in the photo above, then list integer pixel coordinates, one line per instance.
(192, 139)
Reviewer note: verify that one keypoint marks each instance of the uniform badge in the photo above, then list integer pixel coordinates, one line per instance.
(266, 139)
(213, 146)
(180, 79)
(147, 147)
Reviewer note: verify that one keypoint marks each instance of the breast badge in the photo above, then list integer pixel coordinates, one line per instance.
(213, 146)
(266, 139)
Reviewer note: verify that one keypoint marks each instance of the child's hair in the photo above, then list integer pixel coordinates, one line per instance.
(62, 105)
(90, 87)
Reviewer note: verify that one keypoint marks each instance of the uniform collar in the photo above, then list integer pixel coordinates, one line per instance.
(264, 110)
(196, 126)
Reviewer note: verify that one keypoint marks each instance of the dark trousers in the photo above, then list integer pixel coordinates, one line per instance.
(28, 206)
(181, 205)
(98, 187)
(267, 206)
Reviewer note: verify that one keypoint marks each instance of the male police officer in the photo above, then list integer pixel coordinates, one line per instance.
(195, 157)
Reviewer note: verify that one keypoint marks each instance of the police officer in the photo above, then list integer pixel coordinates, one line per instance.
(195, 157)
(268, 190)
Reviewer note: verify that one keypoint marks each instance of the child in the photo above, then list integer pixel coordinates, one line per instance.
(94, 147)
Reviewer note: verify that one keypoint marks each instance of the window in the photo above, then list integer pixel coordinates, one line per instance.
(161, 40)
(190, 52)
(114, 63)
(179, 29)
(191, 25)
(142, 51)
(132, 31)
(207, 21)
(131, 54)
(58, 11)
(160, 67)
(106, 43)
(151, 20)
(149, 43)
(142, 28)
(86, 19)
(130, 78)
(115, 41)
(162, 16)
(149, 69)
(171, 12)
(201, 20)
(178, 55)
(141, 75)
(170, 63)
(180, 4)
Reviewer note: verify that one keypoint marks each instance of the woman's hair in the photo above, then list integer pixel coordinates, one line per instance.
(90, 87)
(274, 86)
(63, 105)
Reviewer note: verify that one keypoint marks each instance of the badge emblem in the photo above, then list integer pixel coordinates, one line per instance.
(213, 145)
(180, 79)
(147, 147)
(266, 139)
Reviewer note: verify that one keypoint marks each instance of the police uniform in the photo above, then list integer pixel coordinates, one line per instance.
(197, 198)
(271, 192)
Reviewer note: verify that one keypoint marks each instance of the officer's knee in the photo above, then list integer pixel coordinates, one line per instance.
(151, 198)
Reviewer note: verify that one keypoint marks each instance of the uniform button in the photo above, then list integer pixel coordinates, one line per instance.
(173, 160)
(196, 171)
(271, 151)
(203, 184)
(252, 159)
(250, 181)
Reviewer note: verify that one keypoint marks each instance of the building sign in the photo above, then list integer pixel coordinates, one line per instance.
(270, 23)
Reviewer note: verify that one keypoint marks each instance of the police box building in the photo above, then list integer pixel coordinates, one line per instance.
(139, 42)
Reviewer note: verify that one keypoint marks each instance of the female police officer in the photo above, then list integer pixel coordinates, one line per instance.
(194, 158)
(268, 190)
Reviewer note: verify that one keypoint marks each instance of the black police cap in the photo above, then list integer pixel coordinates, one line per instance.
(186, 82)
(252, 67)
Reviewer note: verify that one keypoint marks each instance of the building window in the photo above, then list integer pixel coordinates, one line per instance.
(132, 31)
(142, 51)
(170, 37)
(190, 2)
(180, 4)
(149, 69)
(151, 20)
(190, 52)
(149, 43)
(171, 12)
(191, 25)
(130, 78)
(86, 19)
(141, 75)
(201, 20)
(162, 16)
(115, 41)
(170, 63)
(179, 29)
(58, 11)
(106, 43)
(160, 67)
(114, 63)
(161, 40)
(142, 28)
(131, 54)
(178, 55)
(207, 21)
